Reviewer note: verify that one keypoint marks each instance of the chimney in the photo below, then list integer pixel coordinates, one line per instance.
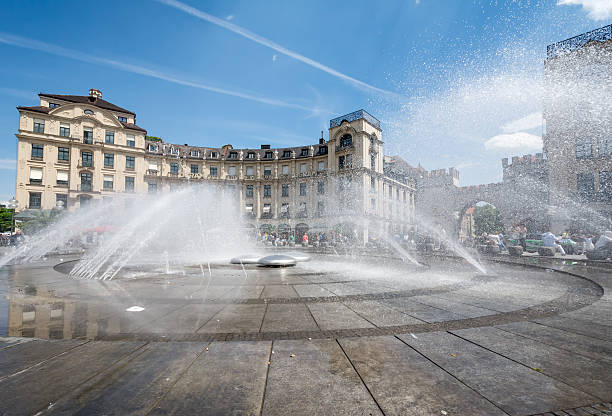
(322, 139)
(94, 94)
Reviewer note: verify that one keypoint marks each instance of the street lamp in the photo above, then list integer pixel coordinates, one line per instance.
(12, 205)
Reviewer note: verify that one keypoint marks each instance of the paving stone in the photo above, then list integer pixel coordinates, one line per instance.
(27, 354)
(579, 326)
(39, 387)
(380, 314)
(228, 379)
(513, 387)
(337, 316)
(236, 318)
(405, 383)
(292, 317)
(318, 379)
(279, 291)
(187, 319)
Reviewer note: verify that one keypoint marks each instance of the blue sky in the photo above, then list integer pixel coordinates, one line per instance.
(455, 83)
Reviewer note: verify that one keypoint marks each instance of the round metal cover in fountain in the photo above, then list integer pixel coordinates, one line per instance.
(246, 259)
(298, 256)
(277, 260)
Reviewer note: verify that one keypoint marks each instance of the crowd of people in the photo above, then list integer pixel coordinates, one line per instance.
(314, 239)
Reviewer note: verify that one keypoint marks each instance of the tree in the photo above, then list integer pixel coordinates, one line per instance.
(6, 216)
(487, 219)
(39, 220)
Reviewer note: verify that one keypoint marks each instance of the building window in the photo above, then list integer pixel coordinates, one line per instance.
(129, 183)
(109, 160)
(321, 166)
(250, 171)
(195, 168)
(397, 194)
(345, 161)
(373, 161)
(404, 197)
(267, 210)
(88, 112)
(303, 189)
(62, 177)
(231, 171)
(233, 155)
(586, 186)
(605, 186)
(268, 155)
(39, 125)
(267, 191)
(61, 199)
(53, 105)
(584, 148)
(34, 200)
(323, 150)
(213, 171)
(248, 191)
(122, 119)
(85, 182)
(64, 130)
(174, 168)
(250, 155)
(130, 141)
(302, 167)
(284, 210)
(285, 190)
(321, 188)
(36, 175)
(604, 146)
(195, 153)
(110, 137)
(390, 192)
(249, 208)
(302, 207)
(267, 171)
(285, 169)
(108, 182)
(373, 183)
(130, 162)
(320, 208)
(37, 151)
(63, 154)
(346, 140)
(152, 187)
(88, 136)
(214, 155)
(373, 203)
(304, 152)
(153, 148)
(286, 153)
(86, 159)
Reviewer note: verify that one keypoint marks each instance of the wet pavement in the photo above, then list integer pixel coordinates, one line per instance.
(332, 336)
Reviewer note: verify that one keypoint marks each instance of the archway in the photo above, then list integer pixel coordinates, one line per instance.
(478, 218)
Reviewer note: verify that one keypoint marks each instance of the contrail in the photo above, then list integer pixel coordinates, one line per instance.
(270, 44)
(136, 69)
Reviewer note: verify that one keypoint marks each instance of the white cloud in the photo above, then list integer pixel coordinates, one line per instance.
(229, 17)
(8, 164)
(519, 140)
(272, 45)
(529, 122)
(596, 9)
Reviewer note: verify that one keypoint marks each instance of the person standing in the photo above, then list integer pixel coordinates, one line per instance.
(523, 236)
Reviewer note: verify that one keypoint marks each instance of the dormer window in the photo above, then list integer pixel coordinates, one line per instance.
(153, 148)
(214, 155)
(195, 153)
(268, 155)
(53, 105)
(346, 140)
(88, 112)
(250, 155)
(233, 155)
(122, 119)
(174, 151)
(304, 152)
(286, 153)
(323, 150)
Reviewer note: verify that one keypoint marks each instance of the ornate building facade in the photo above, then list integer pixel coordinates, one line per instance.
(76, 149)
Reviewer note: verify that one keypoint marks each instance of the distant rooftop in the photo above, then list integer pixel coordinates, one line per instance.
(565, 46)
(355, 115)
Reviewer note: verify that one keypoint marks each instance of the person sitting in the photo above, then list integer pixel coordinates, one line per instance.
(603, 247)
(550, 240)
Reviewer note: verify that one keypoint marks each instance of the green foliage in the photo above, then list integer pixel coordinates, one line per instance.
(487, 219)
(40, 220)
(154, 138)
(5, 219)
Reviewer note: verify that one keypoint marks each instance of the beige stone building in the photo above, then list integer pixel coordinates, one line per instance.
(75, 149)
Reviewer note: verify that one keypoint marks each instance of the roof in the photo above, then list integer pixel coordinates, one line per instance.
(85, 99)
(132, 126)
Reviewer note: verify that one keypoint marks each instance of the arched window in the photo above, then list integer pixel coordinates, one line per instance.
(346, 140)
(88, 112)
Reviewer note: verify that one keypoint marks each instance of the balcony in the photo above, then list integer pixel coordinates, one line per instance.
(342, 147)
(86, 164)
(284, 215)
(87, 139)
(84, 187)
(37, 182)
(267, 177)
(249, 177)
(267, 215)
(249, 215)
(302, 214)
(195, 176)
(231, 177)
(346, 166)
(213, 176)
(63, 184)
(152, 172)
